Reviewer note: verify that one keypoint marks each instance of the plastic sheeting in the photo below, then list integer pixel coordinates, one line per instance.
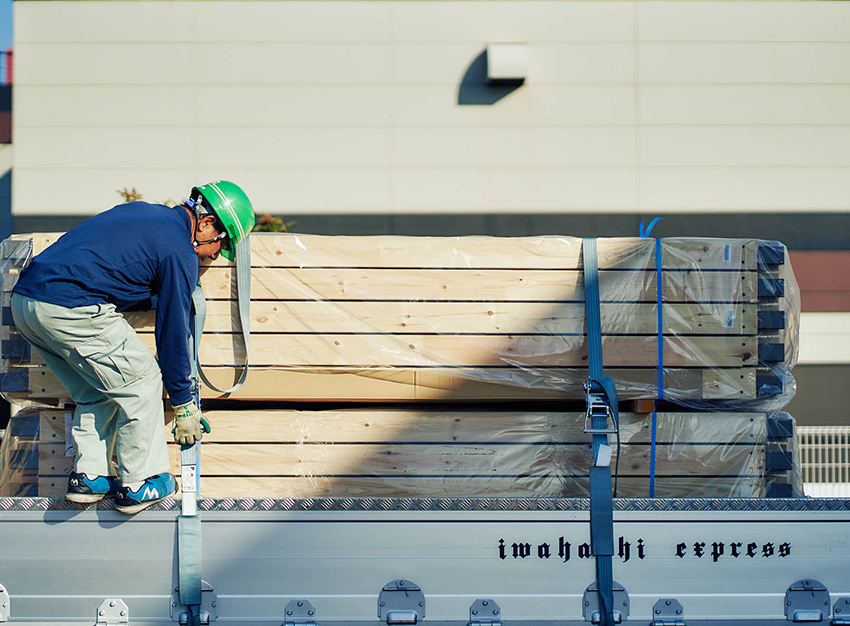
(703, 323)
(708, 326)
(448, 452)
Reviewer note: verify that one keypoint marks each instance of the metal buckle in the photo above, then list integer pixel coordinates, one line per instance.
(597, 406)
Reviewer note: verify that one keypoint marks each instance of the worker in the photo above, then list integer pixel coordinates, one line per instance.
(67, 304)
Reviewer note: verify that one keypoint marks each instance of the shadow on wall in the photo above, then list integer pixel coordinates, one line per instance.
(476, 89)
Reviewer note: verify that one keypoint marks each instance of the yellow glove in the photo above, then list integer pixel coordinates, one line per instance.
(189, 424)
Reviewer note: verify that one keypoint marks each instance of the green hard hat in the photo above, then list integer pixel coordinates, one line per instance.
(233, 209)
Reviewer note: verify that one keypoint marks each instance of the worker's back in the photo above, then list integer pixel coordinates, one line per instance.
(122, 256)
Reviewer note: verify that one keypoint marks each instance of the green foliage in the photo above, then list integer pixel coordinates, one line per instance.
(129, 195)
(270, 224)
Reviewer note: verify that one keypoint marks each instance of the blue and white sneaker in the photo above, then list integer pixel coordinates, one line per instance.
(153, 490)
(84, 489)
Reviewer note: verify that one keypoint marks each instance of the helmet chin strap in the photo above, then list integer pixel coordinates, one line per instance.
(195, 206)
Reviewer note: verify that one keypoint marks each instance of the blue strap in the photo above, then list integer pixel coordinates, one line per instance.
(593, 320)
(601, 498)
(652, 456)
(659, 287)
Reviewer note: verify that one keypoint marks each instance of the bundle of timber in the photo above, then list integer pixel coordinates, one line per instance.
(703, 323)
(446, 356)
(430, 452)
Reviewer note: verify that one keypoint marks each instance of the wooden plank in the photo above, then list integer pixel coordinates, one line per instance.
(479, 285)
(459, 425)
(476, 252)
(362, 351)
(440, 384)
(52, 460)
(52, 486)
(412, 317)
(52, 425)
(475, 461)
(448, 487)
(320, 351)
(549, 251)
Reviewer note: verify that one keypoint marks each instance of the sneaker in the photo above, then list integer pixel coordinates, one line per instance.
(84, 490)
(153, 490)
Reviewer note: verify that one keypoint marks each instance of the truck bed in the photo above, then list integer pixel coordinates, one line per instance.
(720, 559)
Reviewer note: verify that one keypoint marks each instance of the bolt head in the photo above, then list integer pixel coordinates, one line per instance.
(485, 603)
(495, 611)
(678, 611)
(123, 613)
(112, 603)
(309, 612)
(300, 603)
(474, 612)
(668, 603)
(289, 612)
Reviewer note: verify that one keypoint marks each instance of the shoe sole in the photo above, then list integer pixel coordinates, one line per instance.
(141, 506)
(86, 498)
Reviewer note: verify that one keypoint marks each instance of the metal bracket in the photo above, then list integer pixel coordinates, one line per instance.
(300, 612)
(841, 612)
(806, 600)
(112, 612)
(401, 602)
(209, 606)
(597, 406)
(591, 611)
(485, 613)
(5, 604)
(668, 612)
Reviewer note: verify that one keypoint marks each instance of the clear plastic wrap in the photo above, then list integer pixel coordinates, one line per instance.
(482, 319)
(455, 451)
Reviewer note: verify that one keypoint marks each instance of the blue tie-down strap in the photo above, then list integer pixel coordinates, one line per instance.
(593, 321)
(659, 285)
(598, 387)
(189, 564)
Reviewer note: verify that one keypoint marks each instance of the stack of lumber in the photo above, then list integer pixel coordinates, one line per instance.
(388, 319)
(463, 452)
(447, 354)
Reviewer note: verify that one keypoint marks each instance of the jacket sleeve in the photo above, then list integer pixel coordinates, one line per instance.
(178, 275)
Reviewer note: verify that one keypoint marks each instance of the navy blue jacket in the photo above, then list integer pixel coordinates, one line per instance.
(128, 256)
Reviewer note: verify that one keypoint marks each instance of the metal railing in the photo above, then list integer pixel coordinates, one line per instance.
(825, 459)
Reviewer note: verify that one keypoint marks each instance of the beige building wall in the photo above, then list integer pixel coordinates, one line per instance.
(352, 107)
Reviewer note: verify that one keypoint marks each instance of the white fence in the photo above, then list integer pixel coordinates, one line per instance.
(825, 460)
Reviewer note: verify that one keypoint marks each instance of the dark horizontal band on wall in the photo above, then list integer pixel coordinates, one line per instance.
(798, 231)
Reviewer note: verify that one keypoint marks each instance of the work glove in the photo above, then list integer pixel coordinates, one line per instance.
(189, 424)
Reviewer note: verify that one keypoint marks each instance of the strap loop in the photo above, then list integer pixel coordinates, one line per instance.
(243, 294)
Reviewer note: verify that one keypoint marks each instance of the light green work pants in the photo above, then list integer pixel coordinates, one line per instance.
(113, 379)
